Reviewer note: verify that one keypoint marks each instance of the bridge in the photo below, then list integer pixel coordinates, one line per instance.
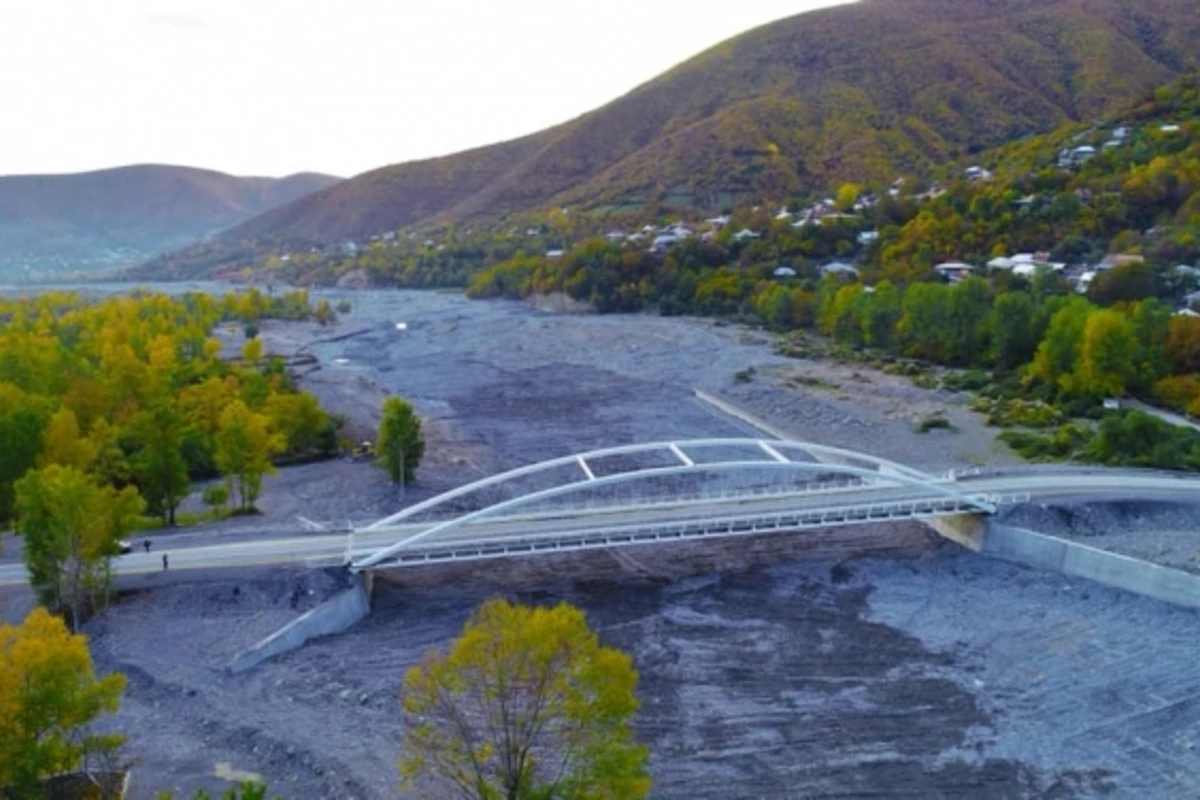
(661, 492)
(647, 493)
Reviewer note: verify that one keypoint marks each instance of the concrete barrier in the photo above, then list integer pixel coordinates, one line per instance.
(335, 615)
(1081, 561)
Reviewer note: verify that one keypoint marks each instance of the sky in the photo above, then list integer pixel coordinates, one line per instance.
(273, 87)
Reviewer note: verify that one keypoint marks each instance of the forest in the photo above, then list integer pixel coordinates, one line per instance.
(133, 394)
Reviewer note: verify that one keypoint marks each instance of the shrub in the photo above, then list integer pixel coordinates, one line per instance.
(745, 375)
(934, 422)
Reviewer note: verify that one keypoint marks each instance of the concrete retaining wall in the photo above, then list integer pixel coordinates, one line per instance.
(335, 615)
(1078, 560)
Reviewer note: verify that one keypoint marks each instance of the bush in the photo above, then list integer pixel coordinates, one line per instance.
(934, 422)
(344, 307)
(745, 375)
(1019, 413)
(215, 496)
(971, 381)
(251, 330)
(925, 382)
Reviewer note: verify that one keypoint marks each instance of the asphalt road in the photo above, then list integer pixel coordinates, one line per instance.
(321, 550)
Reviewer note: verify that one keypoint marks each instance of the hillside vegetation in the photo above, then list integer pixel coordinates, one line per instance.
(65, 223)
(861, 92)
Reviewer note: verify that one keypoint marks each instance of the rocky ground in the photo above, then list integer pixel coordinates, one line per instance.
(774, 667)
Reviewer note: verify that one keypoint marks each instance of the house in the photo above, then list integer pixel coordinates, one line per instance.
(841, 269)
(783, 215)
(954, 271)
(1114, 261)
(1121, 133)
(868, 238)
(1186, 312)
(785, 272)
(532, 231)
(1026, 202)
(555, 253)
(614, 236)
(1071, 158)
(978, 174)
(1192, 300)
(745, 234)
(1184, 271)
(1169, 129)
(663, 241)
(1085, 281)
(719, 222)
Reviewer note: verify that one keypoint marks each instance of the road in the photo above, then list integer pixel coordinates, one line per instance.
(329, 549)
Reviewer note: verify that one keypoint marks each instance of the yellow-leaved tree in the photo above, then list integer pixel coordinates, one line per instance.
(245, 445)
(526, 704)
(70, 528)
(49, 693)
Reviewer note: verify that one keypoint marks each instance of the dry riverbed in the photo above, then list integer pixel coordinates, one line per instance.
(771, 667)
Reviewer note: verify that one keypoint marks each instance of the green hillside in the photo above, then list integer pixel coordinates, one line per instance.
(859, 92)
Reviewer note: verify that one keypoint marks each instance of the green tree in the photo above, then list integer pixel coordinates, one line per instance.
(22, 423)
(881, 312)
(1106, 360)
(70, 530)
(159, 466)
(1058, 354)
(325, 314)
(245, 445)
(399, 445)
(526, 704)
(1014, 336)
(49, 696)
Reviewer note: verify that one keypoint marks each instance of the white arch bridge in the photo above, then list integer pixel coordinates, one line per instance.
(662, 492)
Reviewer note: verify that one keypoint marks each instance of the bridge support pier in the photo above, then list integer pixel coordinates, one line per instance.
(968, 530)
(336, 615)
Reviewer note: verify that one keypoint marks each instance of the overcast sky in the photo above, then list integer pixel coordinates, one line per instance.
(271, 87)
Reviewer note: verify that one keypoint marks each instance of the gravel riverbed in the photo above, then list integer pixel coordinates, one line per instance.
(806, 666)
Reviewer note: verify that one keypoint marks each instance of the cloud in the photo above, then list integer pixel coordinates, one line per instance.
(183, 22)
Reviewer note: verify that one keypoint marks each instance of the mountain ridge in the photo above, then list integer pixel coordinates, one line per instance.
(856, 92)
(53, 223)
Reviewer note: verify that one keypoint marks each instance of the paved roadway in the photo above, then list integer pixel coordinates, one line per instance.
(322, 549)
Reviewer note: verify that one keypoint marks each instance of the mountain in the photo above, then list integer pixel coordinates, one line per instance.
(94, 220)
(859, 92)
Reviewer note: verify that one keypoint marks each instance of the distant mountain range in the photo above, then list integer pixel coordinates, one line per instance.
(54, 224)
(860, 92)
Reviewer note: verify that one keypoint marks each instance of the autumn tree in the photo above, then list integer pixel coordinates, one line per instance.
(399, 445)
(71, 528)
(49, 695)
(22, 422)
(159, 465)
(1106, 359)
(526, 704)
(245, 445)
(63, 444)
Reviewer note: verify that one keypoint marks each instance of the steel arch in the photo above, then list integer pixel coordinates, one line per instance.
(633, 449)
(896, 476)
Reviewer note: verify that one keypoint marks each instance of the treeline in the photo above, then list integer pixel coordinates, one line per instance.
(112, 408)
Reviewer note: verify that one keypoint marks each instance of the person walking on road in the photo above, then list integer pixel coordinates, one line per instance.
(146, 544)
(164, 561)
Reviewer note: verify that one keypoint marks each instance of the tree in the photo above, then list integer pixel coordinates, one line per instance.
(399, 445)
(63, 444)
(49, 694)
(325, 314)
(526, 704)
(159, 466)
(22, 423)
(1183, 344)
(1106, 360)
(1014, 337)
(245, 445)
(71, 528)
(1058, 354)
